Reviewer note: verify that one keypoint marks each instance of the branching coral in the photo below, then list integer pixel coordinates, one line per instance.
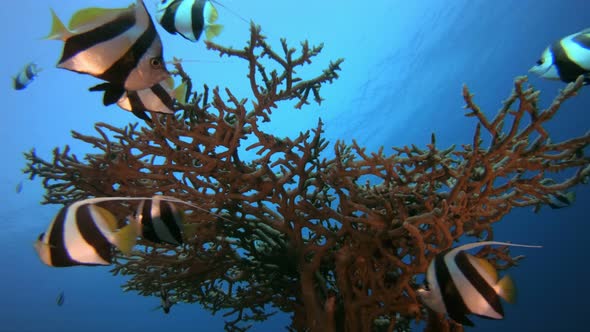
(335, 241)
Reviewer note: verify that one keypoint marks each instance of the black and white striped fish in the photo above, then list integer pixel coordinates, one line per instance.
(161, 221)
(83, 233)
(25, 76)
(159, 98)
(120, 46)
(566, 59)
(189, 18)
(459, 284)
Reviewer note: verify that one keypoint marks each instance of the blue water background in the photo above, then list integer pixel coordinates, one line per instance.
(406, 62)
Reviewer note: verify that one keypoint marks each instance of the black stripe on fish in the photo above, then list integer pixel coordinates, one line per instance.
(137, 106)
(169, 216)
(17, 85)
(456, 308)
(168, 19)
(29, 72)
(103, 33)
(91, 233)
(148, 231)
(167, 219)
(567, 68)
(478, 282)
(121, 69)
(197, 19)
(56, 241)
(163, 95)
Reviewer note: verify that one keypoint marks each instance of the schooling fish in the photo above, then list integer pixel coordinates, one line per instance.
(158, 98)
(83, 233)
(25, 76)
(161, 221)
(189, 18)
(566, 59)
(60, 299)
(120, 46)
(459, 284)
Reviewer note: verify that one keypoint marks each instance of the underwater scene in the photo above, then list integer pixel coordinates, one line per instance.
(230, 165)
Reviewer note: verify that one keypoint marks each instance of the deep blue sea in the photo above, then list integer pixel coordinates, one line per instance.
(405, 65)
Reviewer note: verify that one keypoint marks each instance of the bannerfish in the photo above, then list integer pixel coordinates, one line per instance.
(189, 18)
(25, 76)
(566, 59)
(118, 45)
(459, 284)
(161, 221)
(60, 299)
(159, 98)
(83, 233)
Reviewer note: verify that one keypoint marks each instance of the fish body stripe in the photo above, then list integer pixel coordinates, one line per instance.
(56, 241)
(170, 218)
(103, 33)
(121, 69)
(145, 213)
(456, 308)
(163, 96)
(91, 234)
(160, 222)
(197, 19)
(17, 85)
(479, 283)
(30, 72)
(567, 69)
(135, 101)
(167, 20)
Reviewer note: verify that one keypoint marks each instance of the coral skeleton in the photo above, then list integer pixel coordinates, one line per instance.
(333, 235)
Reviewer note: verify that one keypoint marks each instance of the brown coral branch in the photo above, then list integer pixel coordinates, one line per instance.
(336, 241)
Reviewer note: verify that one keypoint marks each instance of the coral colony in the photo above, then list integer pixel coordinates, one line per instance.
(338, 242)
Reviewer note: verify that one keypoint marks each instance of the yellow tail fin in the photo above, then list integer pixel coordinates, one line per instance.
(507, 289)
(213, 30)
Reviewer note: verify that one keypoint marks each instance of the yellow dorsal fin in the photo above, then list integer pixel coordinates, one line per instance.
(486, 266)
(180, 93)
(93, 16)
(213, 30)
(58, 29)
(507, 289)
(106, 216)
(211, 14)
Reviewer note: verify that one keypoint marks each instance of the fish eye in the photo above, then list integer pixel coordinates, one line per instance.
(540, 62)
(156, 62)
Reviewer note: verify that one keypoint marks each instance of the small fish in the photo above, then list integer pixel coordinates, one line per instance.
(189, 18)
(566, 59)
(158, 98)
(558, 200)
(19, 187)
(459, 284)
(120, 46)
(161, 221)
(166, 303)
(60, 299)
(83, 233)
(25, 76)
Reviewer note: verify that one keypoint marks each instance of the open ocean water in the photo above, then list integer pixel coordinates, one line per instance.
(405, 64)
